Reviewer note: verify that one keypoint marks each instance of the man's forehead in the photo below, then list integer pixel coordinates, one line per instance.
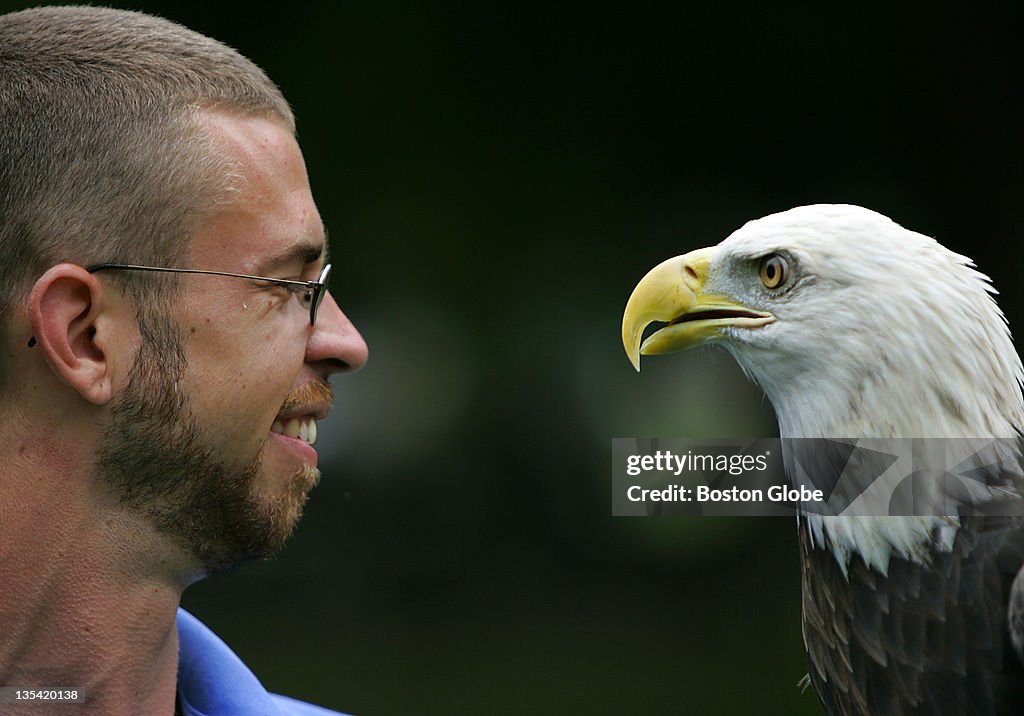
(268, 222)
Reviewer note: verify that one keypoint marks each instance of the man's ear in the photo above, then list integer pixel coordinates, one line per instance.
(67, 312)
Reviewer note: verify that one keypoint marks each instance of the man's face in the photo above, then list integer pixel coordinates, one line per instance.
(198, 437)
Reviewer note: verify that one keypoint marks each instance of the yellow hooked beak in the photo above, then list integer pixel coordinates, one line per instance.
(673, 291)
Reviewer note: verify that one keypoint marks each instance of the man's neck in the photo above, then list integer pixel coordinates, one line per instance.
(88, 598)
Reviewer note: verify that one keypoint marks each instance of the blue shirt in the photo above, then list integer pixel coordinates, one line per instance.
(213, 681)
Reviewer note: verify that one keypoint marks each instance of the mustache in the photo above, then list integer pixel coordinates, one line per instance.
(313, 392)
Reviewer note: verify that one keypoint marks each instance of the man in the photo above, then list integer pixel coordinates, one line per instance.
(167, 341)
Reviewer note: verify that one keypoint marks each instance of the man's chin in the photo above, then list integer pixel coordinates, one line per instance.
(284, 511)
(261, 528)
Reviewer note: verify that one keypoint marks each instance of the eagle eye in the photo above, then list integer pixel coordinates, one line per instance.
(774, 270)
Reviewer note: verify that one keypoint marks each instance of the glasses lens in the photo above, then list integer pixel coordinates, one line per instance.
(318, 294)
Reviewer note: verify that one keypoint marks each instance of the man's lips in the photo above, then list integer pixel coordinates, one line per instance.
(298, 447)
(299, 421)
(295, 425)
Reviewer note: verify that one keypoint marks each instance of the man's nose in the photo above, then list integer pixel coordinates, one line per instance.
(335, 345)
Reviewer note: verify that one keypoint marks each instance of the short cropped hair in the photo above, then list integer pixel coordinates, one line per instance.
(102, 155)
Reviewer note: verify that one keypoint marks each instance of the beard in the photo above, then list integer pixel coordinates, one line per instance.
(153, 456)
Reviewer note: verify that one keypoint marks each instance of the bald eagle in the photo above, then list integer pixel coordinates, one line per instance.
(856, 327)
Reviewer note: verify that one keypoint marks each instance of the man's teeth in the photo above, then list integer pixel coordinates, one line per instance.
(303, 428)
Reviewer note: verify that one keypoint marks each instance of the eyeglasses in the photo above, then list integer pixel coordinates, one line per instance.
(311, 293)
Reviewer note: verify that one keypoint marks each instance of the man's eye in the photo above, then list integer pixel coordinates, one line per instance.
(294, 290)
(285, 290)
(302, 292)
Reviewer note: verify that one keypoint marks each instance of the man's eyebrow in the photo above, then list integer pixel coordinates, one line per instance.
(305, 253)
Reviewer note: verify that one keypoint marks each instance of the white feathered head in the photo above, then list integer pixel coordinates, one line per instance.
(853, 325)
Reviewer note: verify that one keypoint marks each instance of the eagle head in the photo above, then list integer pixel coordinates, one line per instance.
(851, 324)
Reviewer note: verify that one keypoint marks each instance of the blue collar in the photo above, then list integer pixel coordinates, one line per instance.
(213, 681)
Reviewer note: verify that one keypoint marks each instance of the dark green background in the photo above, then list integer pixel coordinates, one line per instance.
(496, 180)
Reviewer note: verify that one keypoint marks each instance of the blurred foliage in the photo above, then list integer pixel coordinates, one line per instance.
(496, 179)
